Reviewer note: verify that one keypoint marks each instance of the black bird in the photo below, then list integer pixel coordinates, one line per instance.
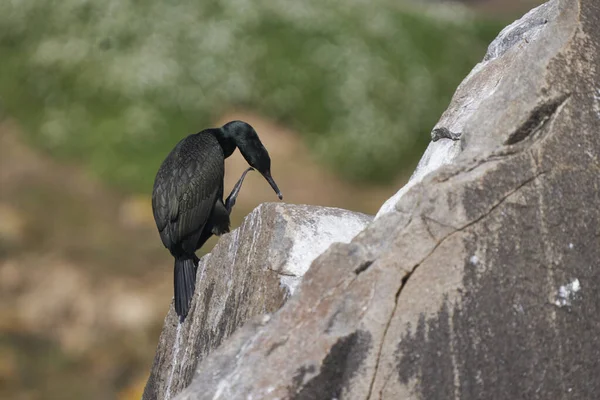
(187, 199)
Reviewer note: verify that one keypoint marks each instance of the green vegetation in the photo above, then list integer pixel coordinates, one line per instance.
(114, 84)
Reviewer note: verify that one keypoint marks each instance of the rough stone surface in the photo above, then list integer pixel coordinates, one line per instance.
(482, 281)
(470, 99)
(438, 153)
(250, 272)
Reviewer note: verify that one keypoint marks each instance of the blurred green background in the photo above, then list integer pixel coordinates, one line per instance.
(93, 95)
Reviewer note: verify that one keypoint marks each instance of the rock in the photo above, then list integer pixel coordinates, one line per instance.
(474, 92)
(250, 272)
(437, 154)
(481, 280)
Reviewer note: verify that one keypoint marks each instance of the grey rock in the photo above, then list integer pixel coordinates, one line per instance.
(437, 154)
(482, 280)
(474, 102)
(250, 272)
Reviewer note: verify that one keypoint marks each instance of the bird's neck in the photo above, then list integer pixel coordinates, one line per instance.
(227, 143)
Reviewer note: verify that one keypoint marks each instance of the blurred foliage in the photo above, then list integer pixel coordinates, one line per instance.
(115, 84)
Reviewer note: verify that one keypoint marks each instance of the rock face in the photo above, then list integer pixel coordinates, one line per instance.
(479, 281)
(251, 271)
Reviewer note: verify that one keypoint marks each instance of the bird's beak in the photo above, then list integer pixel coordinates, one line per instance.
(269, 179)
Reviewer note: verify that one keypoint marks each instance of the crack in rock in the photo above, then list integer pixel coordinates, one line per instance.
(407, 276)
(363, 267)
(537, 119)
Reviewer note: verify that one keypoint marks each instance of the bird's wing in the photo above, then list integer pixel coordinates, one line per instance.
(162, 197)
(185, 189)
(197, 198)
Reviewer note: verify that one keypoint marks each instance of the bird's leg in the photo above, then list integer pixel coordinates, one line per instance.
(230, 202)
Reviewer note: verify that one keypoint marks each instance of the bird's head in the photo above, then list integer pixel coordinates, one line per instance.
(246, 139)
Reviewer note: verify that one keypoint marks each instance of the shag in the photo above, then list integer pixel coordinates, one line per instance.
(187, 199)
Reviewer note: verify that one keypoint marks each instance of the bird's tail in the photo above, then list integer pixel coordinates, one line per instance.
(185, 283)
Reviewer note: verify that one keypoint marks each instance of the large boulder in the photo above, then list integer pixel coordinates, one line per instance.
(251, 271)
(481, 279)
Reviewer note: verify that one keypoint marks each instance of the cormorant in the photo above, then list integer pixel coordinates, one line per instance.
(187, 199)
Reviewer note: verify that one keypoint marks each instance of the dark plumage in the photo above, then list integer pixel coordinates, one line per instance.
(187, 199)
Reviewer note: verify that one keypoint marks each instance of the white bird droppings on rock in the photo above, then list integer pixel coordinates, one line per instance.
(566, 293)
(311, 239)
